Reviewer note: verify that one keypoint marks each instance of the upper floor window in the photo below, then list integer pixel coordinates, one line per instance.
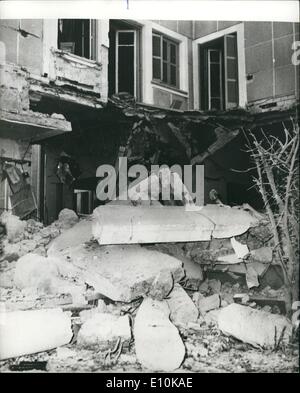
(165, 60)
(77, 36)
(219, 73)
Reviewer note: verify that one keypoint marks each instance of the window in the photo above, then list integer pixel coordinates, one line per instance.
(165, 63)
(126, 61)
(219, 74)
(124, 71)
(77, 36)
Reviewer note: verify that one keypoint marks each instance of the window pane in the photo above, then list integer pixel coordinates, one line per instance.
(156, 45)
(126, 69)
(231, 69)
(231, 45)
(215, 56)
(232, 92)
(165, 72)
(165, 50)
(173, 75)
(215, 82)
(156, 69)
(126, 38)
(173, 53)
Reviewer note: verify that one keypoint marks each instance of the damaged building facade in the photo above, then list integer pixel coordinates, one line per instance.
(54, 104)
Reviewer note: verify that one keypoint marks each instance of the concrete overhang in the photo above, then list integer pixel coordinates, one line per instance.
(32, 126)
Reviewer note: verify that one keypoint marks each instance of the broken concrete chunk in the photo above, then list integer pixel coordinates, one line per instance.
(215, 285)
(228, 221)
(251, 276)
(229, 259)
(240, 249)
(27, 332)
(67, 218)
(78, 234)
(211, 317)
(141, 224)
(193, 271)
(14, 227)
(263, 254)
(122, 273)
(161, 286)
(158, 344)
(7, 278)
(182, 308)
(104, 329)
(255, 327)
(209, 303)
(36, 271)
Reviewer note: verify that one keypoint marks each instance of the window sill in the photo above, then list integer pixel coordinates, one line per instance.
(172, 89)
(76, 59)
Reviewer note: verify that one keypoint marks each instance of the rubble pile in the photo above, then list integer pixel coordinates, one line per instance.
(150, 306)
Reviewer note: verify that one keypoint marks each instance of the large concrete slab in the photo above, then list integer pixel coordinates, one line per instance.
(150, 224)
(78, 234)
(122, 273)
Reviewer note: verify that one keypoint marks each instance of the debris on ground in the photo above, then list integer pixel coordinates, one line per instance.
(158, 345)
(256, 327)
(121, 273)
(31, 331)
(104, 329)
(182, 308)
(161, 306)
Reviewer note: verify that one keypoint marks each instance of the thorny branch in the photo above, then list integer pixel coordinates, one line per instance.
(276, 164)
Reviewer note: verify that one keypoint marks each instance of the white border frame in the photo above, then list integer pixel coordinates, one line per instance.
(239, 30)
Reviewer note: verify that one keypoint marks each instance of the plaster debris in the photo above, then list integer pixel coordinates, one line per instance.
(26, 332)
(256, 327)
(182, 308)
(67, 218)
(104, 329)
(262, 254)
(80, 233)
(121, 273)
(158, 345)
(35, 271)
(162, 285)
(209, 303)
(14, 227)
(240, 249)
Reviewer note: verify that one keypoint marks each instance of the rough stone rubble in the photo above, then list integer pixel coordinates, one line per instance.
(149, 303)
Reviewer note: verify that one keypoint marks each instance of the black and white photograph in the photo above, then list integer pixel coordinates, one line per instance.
(149, 188)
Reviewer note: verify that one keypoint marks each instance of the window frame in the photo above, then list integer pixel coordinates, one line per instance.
(241, 71)
(134, 31)
(91, 38)
(169, 42)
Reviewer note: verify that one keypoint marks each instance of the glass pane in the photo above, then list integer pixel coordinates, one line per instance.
(156, 69)
(165, 72)
(215, 56)
(165, 50)
(232, 92)
(156, 45)
(173, 75)
(173, 53)
(231, 45)
(126, 38)
(231, 69)
(215, 82)
(126, 69)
